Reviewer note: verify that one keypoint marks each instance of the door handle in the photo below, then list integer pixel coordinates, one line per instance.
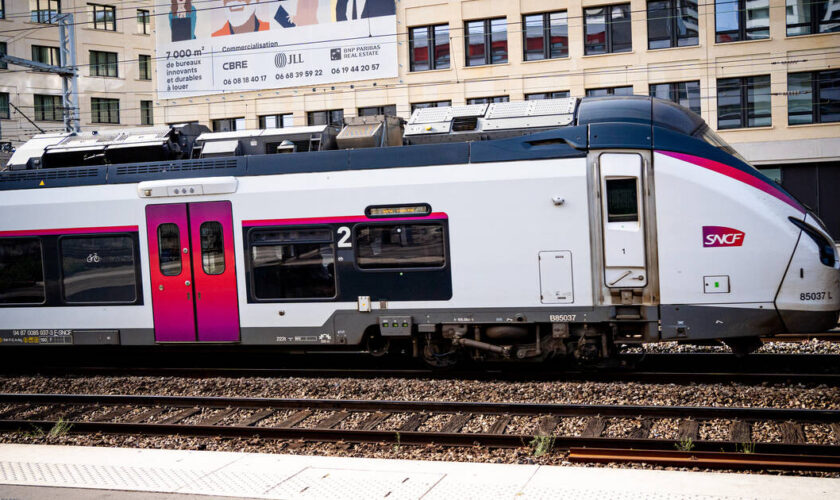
(199, 295)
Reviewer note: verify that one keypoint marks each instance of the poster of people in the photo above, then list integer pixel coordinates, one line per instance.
(213, 46)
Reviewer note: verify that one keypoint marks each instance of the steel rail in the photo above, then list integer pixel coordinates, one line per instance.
(706, 459)
(564, 410)
(661, 377)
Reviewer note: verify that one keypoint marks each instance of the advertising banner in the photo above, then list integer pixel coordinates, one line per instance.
(208, 47)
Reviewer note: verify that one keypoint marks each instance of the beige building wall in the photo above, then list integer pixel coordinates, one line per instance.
(20, 33)
(641, 67)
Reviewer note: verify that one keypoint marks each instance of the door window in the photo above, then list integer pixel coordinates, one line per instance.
(212, 248)
(622, 205)
(169, 249)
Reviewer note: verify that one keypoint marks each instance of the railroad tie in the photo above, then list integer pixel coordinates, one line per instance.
(792, 433)
(594, 427)
(740, 432)
(79, 410)
(546, 425)
(14, 410)
(49, 411)
(835, 428)
(116, 412)
(256, 417)
(688, 429)
(643, 431)
(456, 422)
(215, 419)
(296, 418)
(181, 415)
(151, 412)
(413, 422)
(373, 420)
(332, 420)
(500, 424)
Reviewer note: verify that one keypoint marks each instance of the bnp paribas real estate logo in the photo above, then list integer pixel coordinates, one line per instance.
(335, 54)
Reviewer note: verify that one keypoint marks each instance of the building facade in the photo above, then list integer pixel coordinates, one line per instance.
(114, 53)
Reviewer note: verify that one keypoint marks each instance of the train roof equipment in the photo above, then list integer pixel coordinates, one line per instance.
(529, 130)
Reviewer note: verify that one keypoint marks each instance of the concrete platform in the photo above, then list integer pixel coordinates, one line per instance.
(33, 471)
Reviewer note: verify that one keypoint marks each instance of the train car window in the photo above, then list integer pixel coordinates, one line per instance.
(293, 264)
(21, 271)
(400, 246)
(169, 249)
(212, 247)
(622, 204)
(98, 269)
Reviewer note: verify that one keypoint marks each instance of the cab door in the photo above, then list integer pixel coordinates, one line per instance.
(193, 276)
(623, 220)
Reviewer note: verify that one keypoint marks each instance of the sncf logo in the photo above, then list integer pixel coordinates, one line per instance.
(719, 236)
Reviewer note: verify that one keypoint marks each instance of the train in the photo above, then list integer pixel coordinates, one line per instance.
(521, 231)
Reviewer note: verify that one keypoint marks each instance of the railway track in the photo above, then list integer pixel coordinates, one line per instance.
(579, 428)
(650, 368)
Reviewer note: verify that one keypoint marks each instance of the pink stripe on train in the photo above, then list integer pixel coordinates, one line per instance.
(69, 230)
(737, 174)
(338, 220)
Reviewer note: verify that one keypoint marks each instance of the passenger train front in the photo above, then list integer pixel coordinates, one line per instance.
(510, 231)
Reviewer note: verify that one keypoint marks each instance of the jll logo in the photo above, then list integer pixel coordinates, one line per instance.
(719, 236)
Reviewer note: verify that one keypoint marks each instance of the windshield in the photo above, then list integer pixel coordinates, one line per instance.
(710, 136)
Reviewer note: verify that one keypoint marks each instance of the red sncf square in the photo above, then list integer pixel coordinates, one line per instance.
(720, 236)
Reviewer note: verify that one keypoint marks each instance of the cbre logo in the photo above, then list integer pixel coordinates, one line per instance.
(719, 236)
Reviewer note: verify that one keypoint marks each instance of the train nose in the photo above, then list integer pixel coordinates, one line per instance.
(809, 299)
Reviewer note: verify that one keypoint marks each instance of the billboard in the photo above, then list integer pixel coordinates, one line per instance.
(209, 47)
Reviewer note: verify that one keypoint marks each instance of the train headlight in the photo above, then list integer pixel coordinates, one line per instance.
(828, 252)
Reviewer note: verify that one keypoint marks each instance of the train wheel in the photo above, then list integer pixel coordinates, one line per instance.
(741, 346)
(439, 355)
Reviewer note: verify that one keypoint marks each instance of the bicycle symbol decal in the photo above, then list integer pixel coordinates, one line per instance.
(94, 257)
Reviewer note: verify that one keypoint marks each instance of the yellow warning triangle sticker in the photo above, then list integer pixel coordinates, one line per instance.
(41, 183)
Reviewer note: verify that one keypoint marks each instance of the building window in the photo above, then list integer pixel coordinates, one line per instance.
(607, 29)
(488, 100)
(432, 104)
(546, 35)
(390, 110)
(48, 108)
(228, 124)
(143, 20)
(103, 64)
(805, 17)
(672, 23)
(46, 55)
(2, 9)
(626, 90)
(104, 17)
(330, 117)
(560, 94)
(44, 11)
(276, 121)
(737, 20)
(21, 271)
(399, 246)
(292, 263)
(145, 66)
(685, 94)
(5, 113)
(3, 64)
(743, 102)
(429, 47)
(104, 110)
(98, 269)
(486, 41)
(146, 113)
(814, 97)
